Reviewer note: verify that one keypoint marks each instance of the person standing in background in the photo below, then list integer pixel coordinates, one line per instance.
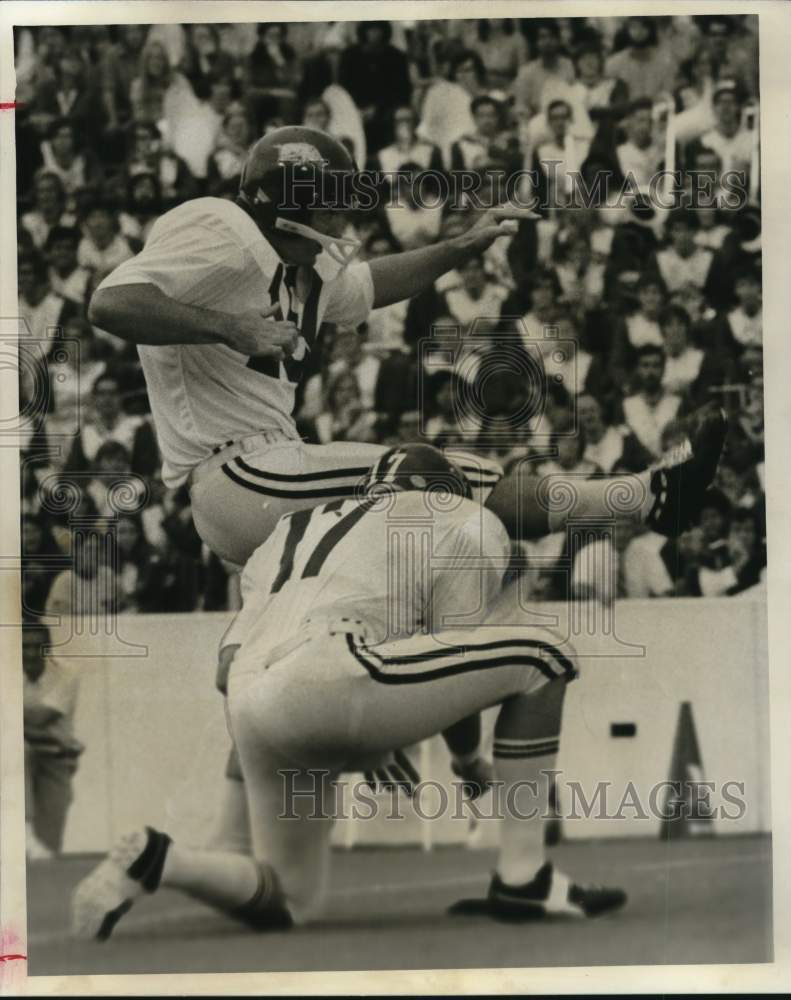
(51, 749)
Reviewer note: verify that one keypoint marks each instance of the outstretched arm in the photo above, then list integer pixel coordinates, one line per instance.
(400, 276)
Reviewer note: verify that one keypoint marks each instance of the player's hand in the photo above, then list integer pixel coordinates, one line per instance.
(494, 223)
(255, 333)
(397, 774)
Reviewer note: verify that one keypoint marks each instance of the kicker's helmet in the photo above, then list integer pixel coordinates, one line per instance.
(416, 467)
(293, 171)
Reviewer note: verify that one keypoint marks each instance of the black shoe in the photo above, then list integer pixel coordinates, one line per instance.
(680, 480)
(133, 867)
(549, 894)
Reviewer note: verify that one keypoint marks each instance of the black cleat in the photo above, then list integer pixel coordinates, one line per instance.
(133, 867)
(549, 894)
(680, 480)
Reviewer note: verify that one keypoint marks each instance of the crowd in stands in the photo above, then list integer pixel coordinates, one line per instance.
(652, 310)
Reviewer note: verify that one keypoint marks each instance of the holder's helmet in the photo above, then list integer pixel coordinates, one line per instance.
(292, 172)
(417, 467)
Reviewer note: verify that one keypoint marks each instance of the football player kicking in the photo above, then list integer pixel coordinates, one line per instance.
(341, 658)
(224, 303)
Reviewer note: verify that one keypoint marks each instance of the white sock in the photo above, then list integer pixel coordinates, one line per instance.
(525, 808)
(220, 878)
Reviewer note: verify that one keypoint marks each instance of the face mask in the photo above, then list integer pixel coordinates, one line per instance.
(337, 251)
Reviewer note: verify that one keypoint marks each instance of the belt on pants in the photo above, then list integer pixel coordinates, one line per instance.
(233, 449)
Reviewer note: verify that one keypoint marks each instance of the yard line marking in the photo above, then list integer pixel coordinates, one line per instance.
(179, 914)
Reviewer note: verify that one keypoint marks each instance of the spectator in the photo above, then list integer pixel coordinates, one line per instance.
(60, 156)
(71, 385)
(682, 262)
(204, 60)
(144, 203)
(638, 329)
(570, 446)
(632, 252)
(580, 275)
(42, 311)
(733, 47)
(112, 466)
(83, 597)
(317, 114)
(70, 94)
(640, 156)
(231, 147)
(610, 448)
(271, 75)
(549, 67)
(729, 139)
(407, 147)
(321, 69)
(749, 415)
(592, 94)
(742, 326)
(158, 94)
(386, 325)
(440, 416)
(711, 230)
(544, 309)
(49, 208)
(695, 78)
(39, 563)
(66, 277)
(734, 561)
(446, 112)
(179, 572)
(149, 156)
(413, 220)
(476, 297)
(49, 699)
(119, 67)
(376, 75)
(343, 418)
(502, 50)
(107, 422)
(570, 369)
(488, 141)
(650, 409)
(102, 248)
(387, 378)
(647, 69)
(136, 567)
(688, 371)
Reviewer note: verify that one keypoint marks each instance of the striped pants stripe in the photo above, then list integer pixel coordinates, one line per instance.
(335, 701)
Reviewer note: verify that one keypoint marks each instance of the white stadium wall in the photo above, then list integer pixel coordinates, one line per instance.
(156, 741)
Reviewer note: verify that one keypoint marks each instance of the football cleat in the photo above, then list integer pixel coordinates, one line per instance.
(133, 867)
(547, 895)
(680, 480)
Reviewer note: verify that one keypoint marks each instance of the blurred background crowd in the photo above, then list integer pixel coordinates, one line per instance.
(650, 312)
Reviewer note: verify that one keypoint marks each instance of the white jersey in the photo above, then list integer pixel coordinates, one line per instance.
(400, 567)
(209, 253)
